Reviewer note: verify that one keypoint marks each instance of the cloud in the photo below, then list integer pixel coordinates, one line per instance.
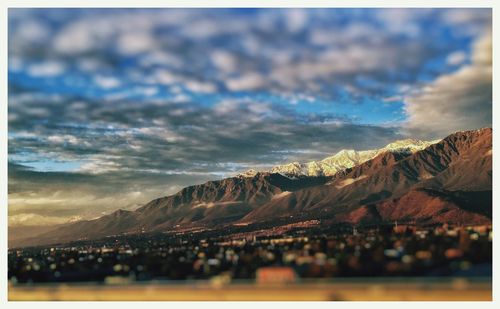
(200, 87)
(224, 61)
(343, 65)
(392, 99)
(146, 137)
(402, 20)
(100, 164)
(32, 32)
(30, 219)
(132, 43)
(456, 58)
(249, 81)
(41, 198)
(278, 53)
(457, 101)
(67, 138)
(107, 82)
(46, 69)
(75, 38)
(296, 19)
(467, 21)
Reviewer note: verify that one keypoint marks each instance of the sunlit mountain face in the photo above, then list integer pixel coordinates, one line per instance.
(110, 108)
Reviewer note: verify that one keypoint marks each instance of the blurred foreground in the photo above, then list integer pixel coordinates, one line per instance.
(304, 263)
(382, 289)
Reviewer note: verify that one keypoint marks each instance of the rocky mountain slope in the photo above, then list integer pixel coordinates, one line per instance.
(462, 162)
(446, 182)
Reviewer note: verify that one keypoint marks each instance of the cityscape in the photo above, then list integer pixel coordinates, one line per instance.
(308, 253)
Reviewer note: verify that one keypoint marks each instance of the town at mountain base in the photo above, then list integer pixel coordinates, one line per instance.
(445, 182)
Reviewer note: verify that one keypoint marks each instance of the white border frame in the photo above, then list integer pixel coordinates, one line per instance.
(240, 4)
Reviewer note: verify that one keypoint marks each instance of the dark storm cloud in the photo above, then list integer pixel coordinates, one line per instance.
(232, 131)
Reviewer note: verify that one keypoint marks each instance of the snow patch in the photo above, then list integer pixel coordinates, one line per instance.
(248, 174)
(282, 194)
(426, 176)
(349, 181)
(212, 204)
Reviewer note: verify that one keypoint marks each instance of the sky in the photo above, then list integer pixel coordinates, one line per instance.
(110, 108)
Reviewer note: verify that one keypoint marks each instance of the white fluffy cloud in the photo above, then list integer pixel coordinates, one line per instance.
(457, 101)
(135, 42)
(107, 82)
(200, 86)
(249, 81)
(224, 61)
(45, 69)
(456, 58)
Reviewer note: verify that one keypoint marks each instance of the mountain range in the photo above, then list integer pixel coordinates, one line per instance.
(409, 181)
(347, 158)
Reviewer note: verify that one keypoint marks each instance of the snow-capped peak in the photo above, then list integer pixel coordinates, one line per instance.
(347, 158)
(248, 174)
(407, 144)
(294, 168)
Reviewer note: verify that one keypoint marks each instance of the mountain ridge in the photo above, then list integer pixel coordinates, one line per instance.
(343, 159)
(391, 175)
(446, 182)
